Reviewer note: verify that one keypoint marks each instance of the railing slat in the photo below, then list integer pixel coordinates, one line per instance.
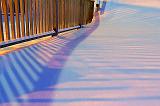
(48, 16)
(46, 28)
(12, 19)
(6, 20)
(65, 12)
(41, 16)
(1, 26)
(44, 16)
(22, 17)
(51, 14)
(27, 18)
(16, 2)
(54, 14)
(35, 17)
(31, 17)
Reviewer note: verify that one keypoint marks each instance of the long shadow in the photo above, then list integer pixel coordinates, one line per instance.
(39, 66)
(139, 98)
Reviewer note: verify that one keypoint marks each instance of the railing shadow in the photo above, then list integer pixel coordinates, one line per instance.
(39, 66)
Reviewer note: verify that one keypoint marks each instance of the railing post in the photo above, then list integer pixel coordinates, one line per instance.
(81, 11)
(57, 18)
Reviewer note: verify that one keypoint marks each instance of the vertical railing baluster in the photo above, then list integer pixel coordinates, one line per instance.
(6, 20)
(1, 25)
(54, 14)
(30, 17)
(27, 18)
(22, 17)
(11, 7)
(46, 28)
(44, 15)
(66, 12)
(48, 15)
(34, 17)
(59, 14)
(16, 2)
(80, 14)
(71, 14)
(51, 15)
(57, 20)
(37, 17)
(41, 16)
(62, 14)
(64, 18)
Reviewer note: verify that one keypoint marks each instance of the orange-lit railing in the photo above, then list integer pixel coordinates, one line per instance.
(21, 19)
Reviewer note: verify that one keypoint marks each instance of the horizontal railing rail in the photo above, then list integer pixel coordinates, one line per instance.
(23, 20)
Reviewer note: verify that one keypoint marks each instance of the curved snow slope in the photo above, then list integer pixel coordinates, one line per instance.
(148, 3)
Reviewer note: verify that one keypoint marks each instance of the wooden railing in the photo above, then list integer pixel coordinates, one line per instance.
(25, 18)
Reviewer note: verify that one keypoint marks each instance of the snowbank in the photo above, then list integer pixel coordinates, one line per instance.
(148, 3)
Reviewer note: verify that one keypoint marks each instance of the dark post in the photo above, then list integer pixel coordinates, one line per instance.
(57, 20)
(80, 20)
(97, 7)
(81, 13)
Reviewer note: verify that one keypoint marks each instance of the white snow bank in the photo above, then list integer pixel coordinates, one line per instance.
(148, 3)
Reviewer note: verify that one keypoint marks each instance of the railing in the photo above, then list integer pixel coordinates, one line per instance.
(21, 20)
